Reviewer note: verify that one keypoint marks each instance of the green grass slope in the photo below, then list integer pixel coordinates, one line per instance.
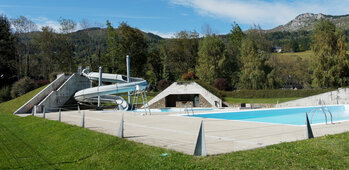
(258, 100)
(12, 105)
(304, 55)
(36, 143)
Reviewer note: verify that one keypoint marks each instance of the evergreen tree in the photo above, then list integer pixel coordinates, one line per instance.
(233, 64)
(180, 54)
(49, 52)
(236, 36)
(331, 59)
(154, 68)
(123, 41)
(7, 53)
(66, 45)
(252, 73)
(212, 56)
(254, 53)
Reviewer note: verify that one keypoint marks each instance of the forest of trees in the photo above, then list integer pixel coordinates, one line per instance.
(238, 60)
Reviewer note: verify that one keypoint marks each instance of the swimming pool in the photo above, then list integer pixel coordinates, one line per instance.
(174, 110)
(291, 116)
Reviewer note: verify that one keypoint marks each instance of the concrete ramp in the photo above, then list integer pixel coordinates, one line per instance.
(56, 93)
(340, 96)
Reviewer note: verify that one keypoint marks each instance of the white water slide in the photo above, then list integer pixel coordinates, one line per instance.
(90, 95)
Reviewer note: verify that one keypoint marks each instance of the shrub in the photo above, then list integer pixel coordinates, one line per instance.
(188, 76)
(163, 84)
(221, 84)
(5, 94)
(53, 76)
(211, 89)
(22, 86)
(41, 82)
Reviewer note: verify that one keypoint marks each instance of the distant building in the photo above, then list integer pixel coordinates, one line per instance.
(277, 49)
(185, 94)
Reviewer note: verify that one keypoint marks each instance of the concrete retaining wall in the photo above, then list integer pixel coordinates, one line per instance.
(42, 94)
(60, 96)
(340, 96)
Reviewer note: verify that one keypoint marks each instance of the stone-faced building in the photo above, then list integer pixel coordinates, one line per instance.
(185, 94)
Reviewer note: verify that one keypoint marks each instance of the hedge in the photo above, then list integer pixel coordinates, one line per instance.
(213, 90)
(277, 93)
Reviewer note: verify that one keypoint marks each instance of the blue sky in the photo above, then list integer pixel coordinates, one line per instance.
(166, 17)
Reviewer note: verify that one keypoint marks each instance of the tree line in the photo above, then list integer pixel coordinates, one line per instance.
(238, 60)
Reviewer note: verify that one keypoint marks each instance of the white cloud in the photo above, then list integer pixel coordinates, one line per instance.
(261, 12)
(162, 34)
(43, 21)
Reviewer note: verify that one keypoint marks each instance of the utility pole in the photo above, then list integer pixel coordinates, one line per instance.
(99, 85)
(128, 76)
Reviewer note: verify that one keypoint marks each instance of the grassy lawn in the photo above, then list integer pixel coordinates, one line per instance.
(139, 100)
(263, 100)
(304, 55)
(36, 143)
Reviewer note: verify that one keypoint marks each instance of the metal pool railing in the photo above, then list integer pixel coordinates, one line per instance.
(324, 110)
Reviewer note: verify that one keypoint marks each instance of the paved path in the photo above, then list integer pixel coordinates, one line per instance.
(180, 133)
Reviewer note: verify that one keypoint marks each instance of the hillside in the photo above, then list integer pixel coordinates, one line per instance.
(306, 22)
(102, 33)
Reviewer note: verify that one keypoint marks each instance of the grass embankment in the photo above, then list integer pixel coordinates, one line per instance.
(304, 55)
(36, 143)
(270, 96)
(139, 100)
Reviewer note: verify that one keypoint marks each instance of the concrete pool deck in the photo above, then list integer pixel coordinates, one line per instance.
(179, 133)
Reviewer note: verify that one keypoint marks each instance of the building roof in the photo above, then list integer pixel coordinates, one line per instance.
(188, 88)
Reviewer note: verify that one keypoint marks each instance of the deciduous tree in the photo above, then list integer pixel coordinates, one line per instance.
(23, 27)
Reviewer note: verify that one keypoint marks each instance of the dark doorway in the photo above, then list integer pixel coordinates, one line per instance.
(172, 99)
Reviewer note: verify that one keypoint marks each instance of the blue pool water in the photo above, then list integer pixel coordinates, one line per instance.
(174, 110)
(292, 116)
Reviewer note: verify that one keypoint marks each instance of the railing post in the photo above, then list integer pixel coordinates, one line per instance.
(83, 119)
(121, 129)
(44, 112)
(35, 109)
(59, 115)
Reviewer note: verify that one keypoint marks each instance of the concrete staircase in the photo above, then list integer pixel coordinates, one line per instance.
(56, 93)
(59, 97)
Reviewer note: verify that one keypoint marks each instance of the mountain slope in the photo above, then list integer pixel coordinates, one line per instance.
(306, 22)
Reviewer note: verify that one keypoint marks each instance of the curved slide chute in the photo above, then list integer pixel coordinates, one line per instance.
(90, 95)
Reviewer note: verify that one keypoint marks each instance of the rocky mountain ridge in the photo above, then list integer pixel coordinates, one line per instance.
(306, 22)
